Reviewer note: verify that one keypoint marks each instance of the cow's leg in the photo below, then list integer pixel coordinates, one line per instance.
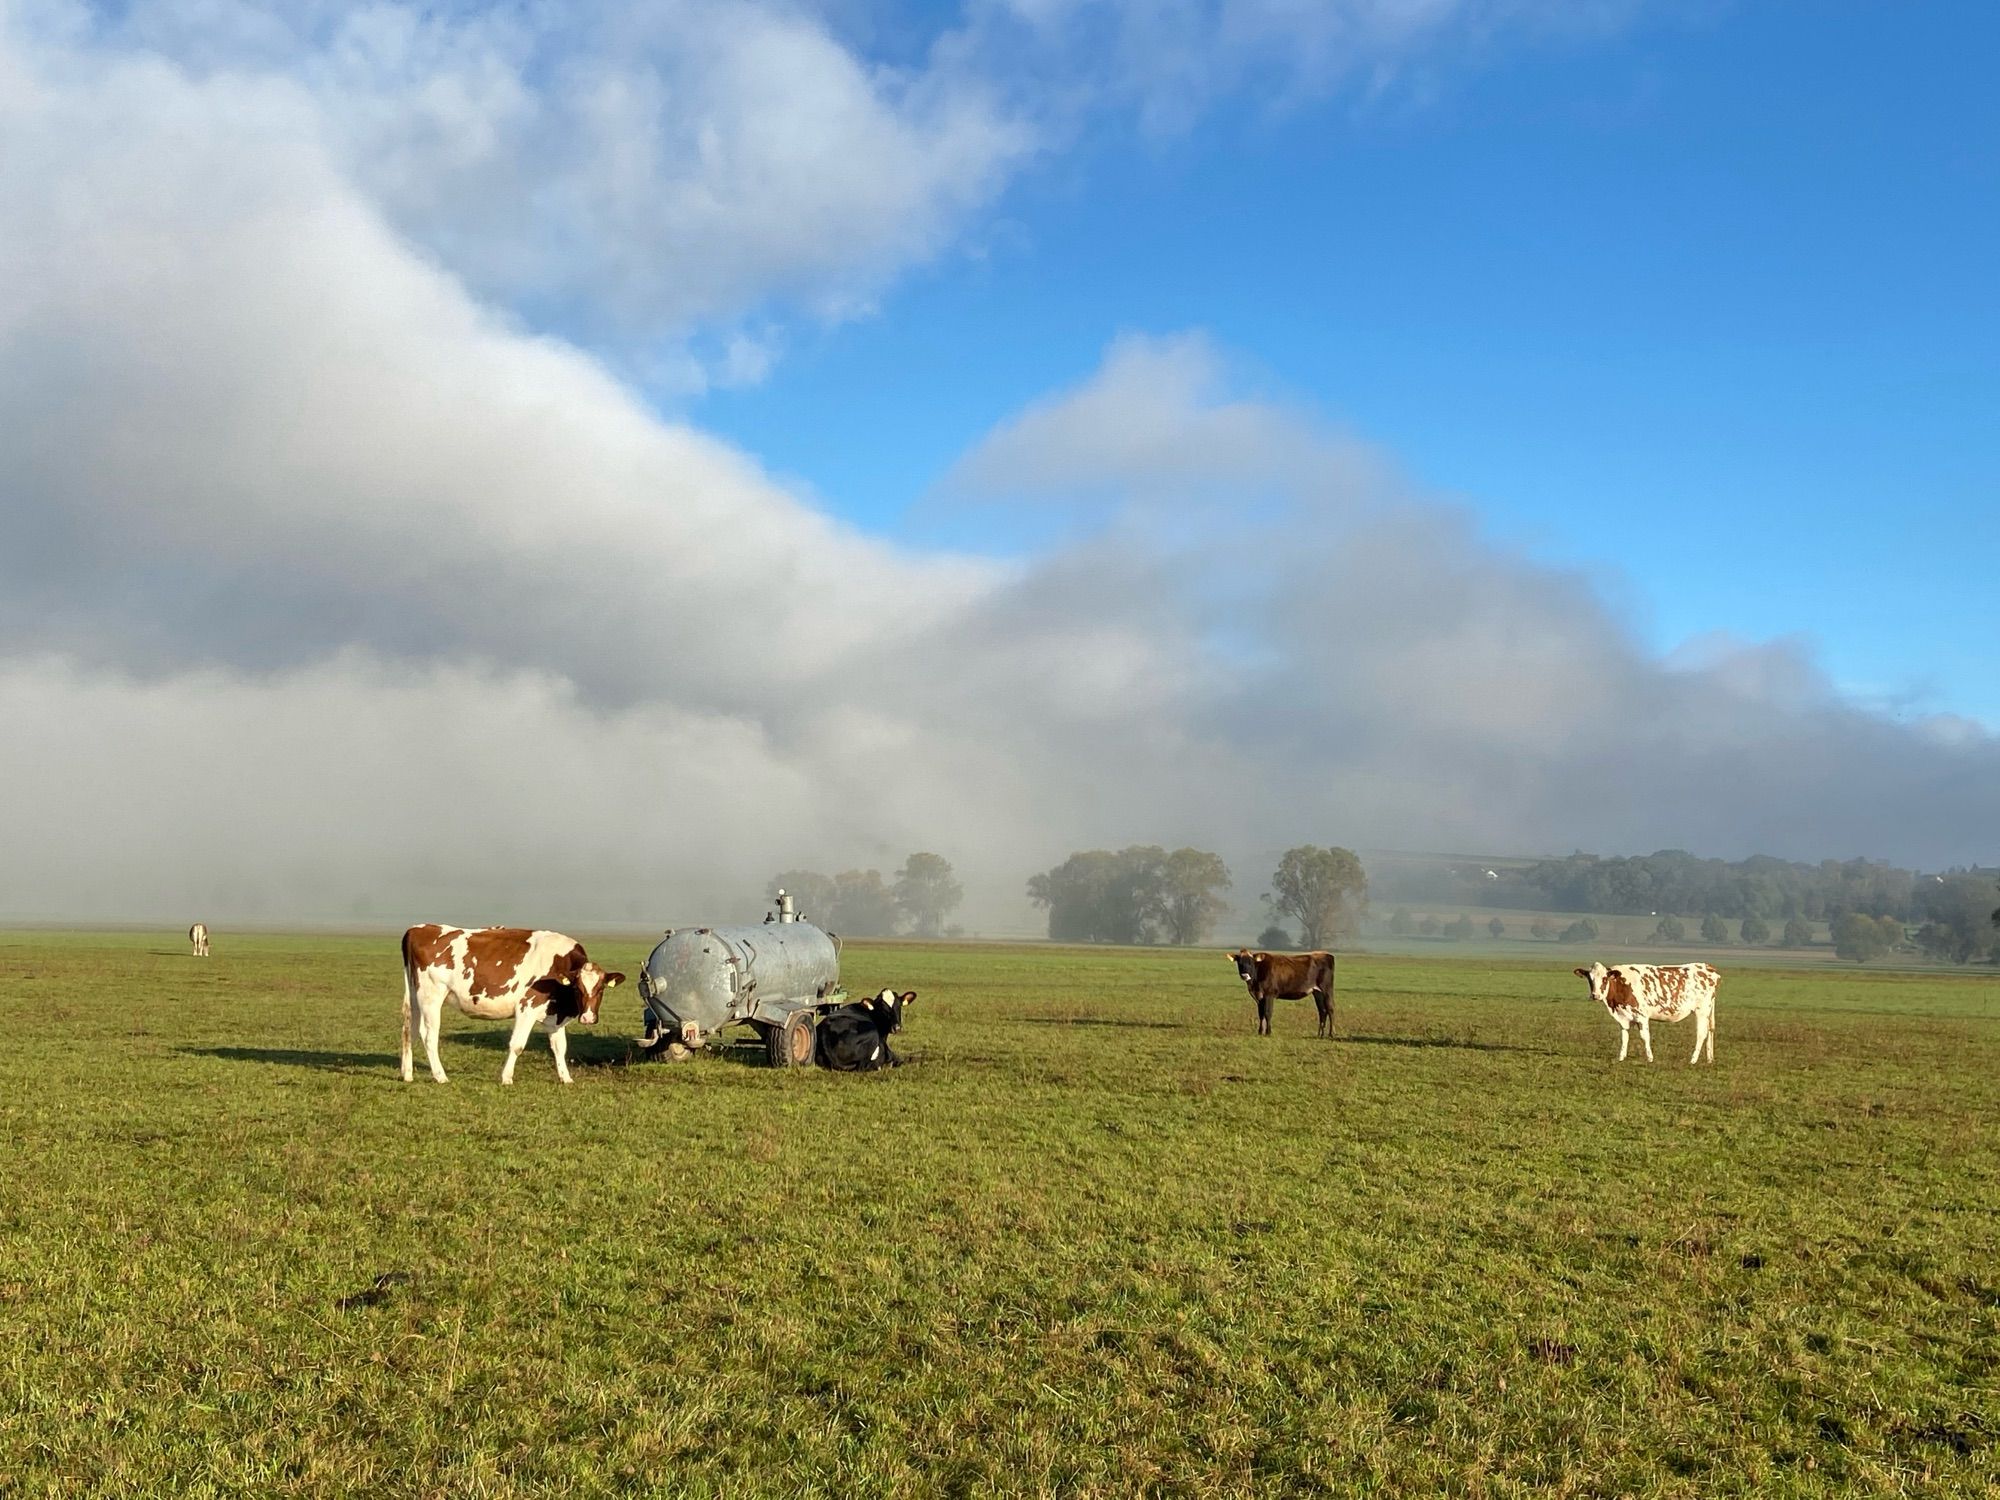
(524, 1022)
(1263, 1015)
(1624, 1039)
(559, 1045)
(1646, 1037)
(1708, 1030)
(1324, 1002)
(430, 1015)
(409, 1015)
(1700, 1035)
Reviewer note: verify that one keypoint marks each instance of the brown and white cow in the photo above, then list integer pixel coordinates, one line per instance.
(198, 935)
(1287, 976)
(1643, 993)
(494, 973)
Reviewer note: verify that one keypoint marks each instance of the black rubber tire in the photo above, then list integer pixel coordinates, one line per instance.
(792, 1044)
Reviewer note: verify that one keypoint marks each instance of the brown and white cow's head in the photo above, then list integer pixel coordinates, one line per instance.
(1599, 979)
(576, 987)
(591, 983)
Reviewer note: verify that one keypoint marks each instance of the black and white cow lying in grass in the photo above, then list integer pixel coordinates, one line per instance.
(855, 1038)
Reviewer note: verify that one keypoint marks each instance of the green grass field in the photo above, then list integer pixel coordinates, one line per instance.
(1097, 1239)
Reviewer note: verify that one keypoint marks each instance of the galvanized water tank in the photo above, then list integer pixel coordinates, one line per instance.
(700, 979)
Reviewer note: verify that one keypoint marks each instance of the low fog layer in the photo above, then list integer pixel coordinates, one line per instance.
(326, 591)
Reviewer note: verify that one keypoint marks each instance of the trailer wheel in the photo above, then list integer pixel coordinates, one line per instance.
(791, 1044)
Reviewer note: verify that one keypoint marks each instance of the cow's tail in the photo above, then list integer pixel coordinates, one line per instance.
(409, 1005)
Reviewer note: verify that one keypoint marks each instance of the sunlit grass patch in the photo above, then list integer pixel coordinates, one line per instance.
(1097, 1238)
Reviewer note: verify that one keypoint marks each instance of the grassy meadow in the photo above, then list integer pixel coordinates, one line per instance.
(1097, 1239)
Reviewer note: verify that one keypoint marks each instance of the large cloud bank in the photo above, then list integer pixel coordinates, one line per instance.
(329, 590)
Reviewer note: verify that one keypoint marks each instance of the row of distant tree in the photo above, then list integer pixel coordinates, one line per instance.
(1966, 934)
(1676, 882)
(1145, 893)
(1148, 894)
(916, 900)
(1753, 931)
(1713, 929)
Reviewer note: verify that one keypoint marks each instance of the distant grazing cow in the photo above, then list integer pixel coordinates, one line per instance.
(1644, 993)
(1287, 976)
(494, 973)
(855, 1038)
(198, 935)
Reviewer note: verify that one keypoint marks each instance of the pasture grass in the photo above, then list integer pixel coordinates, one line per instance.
(1098, 1238)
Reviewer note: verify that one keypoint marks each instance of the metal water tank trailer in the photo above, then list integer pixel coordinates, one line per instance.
(777, 977)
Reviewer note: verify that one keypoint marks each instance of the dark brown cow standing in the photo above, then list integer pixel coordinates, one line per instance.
(1287, 976)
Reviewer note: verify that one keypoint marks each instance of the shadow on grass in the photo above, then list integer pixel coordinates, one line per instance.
(585, 1050)
(298, 1057)
(590, 1052)
(1459, 1043)
(1100, 1021)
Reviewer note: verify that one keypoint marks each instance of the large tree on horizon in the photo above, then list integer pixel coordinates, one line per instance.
(926, 893)
(1323, 891)
(863, 904)
(1097, 896)
(1192, 883)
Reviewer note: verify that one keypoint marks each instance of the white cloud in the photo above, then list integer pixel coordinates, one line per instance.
(638, 174)
(241, 400)
(1160, 426)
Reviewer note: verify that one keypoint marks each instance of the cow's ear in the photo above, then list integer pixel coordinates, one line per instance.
(1581, 973)
(906, 997)
(613, 978)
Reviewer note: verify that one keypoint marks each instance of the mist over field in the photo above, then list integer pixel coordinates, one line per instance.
(329, 590)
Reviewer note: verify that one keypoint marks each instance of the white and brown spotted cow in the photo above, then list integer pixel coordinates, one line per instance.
(1644, 993)
(494, 973)
(198, 935)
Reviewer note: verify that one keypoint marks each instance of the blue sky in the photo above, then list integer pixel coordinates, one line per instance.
(1708, 301)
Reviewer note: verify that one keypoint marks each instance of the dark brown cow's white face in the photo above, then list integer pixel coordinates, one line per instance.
(1246, 964)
